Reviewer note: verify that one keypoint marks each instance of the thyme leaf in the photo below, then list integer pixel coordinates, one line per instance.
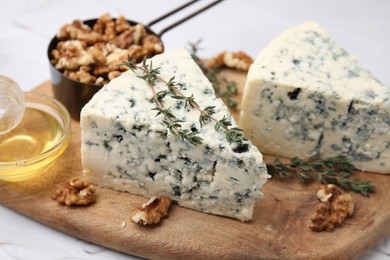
(334, 170)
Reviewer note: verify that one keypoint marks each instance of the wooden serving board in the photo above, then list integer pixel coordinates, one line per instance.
(279, 228)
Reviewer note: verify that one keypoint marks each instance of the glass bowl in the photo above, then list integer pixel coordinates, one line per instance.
(41, 137)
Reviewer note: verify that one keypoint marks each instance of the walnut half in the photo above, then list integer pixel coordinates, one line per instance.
(234, 60)
(74, 192)
(152, 211)
(333, 210)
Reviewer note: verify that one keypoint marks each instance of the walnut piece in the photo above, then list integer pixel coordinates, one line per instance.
(152, 211)
(73, 55)
(333, 210)
(234, 60)
(75, 192)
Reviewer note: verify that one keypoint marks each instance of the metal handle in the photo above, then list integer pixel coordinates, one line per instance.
(171, 13)
(183, 19)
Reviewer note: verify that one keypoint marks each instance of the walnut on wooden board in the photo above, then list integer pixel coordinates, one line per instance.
(234, 60)
(333, 209)
(152, 211)
(76, 191)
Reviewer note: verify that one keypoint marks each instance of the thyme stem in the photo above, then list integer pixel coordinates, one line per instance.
(150, 75)
(336, 170)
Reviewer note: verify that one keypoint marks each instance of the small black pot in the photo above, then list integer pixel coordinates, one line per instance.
(74, 94)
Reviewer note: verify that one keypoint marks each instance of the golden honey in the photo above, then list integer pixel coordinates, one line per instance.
(34, 144)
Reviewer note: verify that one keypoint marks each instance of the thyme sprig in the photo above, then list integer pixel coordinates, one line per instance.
(224, 88)
(336, 170)
(151, 76)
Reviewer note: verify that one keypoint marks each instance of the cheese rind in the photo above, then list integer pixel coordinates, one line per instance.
(125, 146)
(305, 95)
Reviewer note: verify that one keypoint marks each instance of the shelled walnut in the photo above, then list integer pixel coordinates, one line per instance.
(74, 192)
(101, 48)
(333, 210)
(234, 60)
(152, 211)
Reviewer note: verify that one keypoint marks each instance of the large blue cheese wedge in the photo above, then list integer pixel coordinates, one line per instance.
(305, 95)
(125, 146)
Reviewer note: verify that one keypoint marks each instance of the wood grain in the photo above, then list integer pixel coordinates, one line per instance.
(279, 228)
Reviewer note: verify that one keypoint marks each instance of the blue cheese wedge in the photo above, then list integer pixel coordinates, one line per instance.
(125, 146)
(305, 96)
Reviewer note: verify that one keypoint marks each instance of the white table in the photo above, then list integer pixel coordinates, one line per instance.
(26, 26)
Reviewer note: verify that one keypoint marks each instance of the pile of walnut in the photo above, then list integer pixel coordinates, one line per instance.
(92, 55)
(333, 210)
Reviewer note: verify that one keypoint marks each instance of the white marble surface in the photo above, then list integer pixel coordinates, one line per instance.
(26, 26)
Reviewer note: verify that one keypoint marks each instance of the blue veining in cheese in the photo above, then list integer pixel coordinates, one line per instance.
(125, 146)
(305, 95)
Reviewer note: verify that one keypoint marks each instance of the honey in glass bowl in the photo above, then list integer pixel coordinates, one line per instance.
(37, 141)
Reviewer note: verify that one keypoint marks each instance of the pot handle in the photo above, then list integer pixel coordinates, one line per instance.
(184, 18)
